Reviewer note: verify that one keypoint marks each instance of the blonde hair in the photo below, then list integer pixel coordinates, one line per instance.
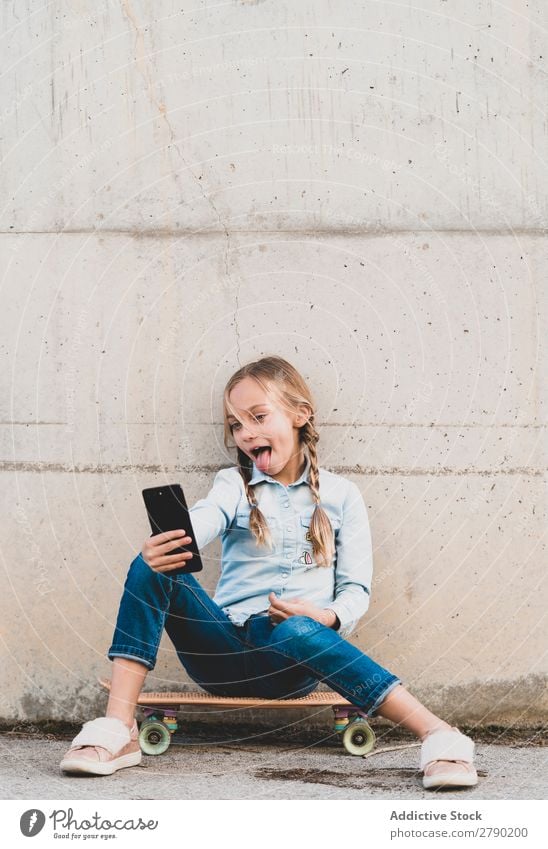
(277, 376)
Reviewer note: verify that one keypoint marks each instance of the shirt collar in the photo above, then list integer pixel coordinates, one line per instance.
(259, 476)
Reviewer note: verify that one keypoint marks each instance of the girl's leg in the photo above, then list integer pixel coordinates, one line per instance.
(271, 675)
(352, 673)
(404, 709)
(393, 702)
(207, 643)
(128, 677)
(321, 651)
(401, 707)
(359, 679)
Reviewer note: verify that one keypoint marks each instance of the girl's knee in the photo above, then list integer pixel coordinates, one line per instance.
(139, 566)
(140, 574)
(296, 626)
(140, 571)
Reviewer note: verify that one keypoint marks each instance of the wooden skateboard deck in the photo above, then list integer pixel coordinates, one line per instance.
(174, 699)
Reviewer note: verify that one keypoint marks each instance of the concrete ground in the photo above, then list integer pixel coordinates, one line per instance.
(258, 765)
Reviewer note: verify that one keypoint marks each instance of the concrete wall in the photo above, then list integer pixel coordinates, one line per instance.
(357, 187)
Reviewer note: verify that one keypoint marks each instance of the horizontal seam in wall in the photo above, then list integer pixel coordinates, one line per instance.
(332, 231)
(30, 466)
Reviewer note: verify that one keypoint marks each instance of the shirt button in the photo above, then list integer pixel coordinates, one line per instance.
(286, 503)
(288, 557)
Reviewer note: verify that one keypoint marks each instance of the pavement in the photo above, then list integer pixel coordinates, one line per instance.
(252, 764)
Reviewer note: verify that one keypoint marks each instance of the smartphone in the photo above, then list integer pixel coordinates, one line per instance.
(167, 511)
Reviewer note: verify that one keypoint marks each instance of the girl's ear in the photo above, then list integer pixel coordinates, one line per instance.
(302, 417)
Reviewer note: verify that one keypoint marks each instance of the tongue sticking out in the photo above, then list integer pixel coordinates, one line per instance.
(262, 460)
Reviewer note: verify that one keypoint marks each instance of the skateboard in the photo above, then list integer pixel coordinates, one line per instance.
(160, 716)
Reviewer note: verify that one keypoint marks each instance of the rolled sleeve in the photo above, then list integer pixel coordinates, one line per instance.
(354, 566)
(212, 515)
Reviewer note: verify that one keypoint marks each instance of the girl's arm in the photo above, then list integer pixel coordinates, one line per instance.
(354, 565)
(212, 515)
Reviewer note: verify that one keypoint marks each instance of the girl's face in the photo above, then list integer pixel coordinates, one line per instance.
(264, 423)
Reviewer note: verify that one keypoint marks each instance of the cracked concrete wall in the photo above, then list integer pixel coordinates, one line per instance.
(359, 188)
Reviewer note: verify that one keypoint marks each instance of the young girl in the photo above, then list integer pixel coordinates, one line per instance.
(295, 580)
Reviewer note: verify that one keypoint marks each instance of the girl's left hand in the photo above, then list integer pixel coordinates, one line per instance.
(280, 610)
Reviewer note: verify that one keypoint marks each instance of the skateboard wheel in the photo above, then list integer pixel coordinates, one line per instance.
(154, 737)
(358, 737)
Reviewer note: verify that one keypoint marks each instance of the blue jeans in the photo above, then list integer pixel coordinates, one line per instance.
(257, 659)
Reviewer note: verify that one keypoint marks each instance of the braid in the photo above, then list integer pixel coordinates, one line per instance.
(321, 530)
(257, 522)
(310, 436)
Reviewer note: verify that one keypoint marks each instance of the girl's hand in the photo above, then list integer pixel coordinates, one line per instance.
(280, 610)
(156, 550)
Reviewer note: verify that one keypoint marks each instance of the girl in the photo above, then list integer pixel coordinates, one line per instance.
(295, 580)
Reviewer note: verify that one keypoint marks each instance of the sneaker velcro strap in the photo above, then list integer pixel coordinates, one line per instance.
(447, 746)
(106, 731)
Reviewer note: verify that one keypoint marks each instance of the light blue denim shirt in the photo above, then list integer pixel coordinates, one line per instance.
(249, 572)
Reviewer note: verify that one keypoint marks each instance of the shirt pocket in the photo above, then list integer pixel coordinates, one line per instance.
(242, 534)
(307, 517)
(241, 519)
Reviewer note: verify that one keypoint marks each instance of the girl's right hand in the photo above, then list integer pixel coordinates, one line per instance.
(156, 550)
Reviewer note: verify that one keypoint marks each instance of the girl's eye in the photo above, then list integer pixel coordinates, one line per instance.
(237, 425)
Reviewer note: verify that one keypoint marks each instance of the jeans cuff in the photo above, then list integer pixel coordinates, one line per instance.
(378, 701)
(150, 664)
